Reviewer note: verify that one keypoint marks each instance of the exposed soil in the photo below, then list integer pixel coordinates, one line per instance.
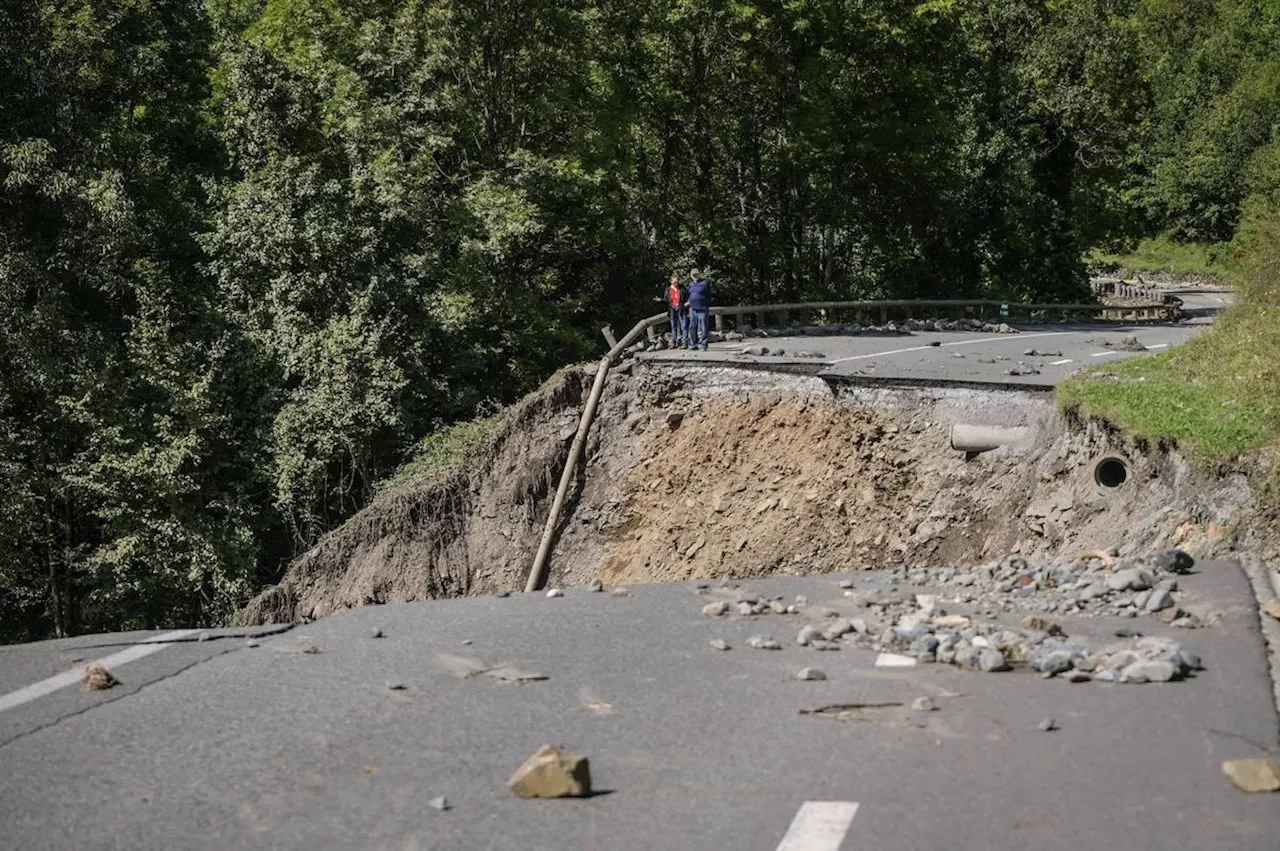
(715, 472)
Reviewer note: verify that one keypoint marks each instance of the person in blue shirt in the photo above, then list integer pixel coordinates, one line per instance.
(699, 307)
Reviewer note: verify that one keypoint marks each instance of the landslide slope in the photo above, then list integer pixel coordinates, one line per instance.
(718, 472)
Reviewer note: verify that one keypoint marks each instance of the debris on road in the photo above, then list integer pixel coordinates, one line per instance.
(1047, 725)
(98, 678)
(466, 668)
(377, 633)
(923, 704)
(849, 711)
(555, 592)
(1253, 775)
(1273, 608)
(720, 644)
(811, 674)
(394, 685)
(596, 585)
(620, 592)
(552, 773)
(763, 642)
(441, 804)
(716, 609)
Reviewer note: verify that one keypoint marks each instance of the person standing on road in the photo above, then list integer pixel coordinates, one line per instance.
(699, 307)
(677, 299)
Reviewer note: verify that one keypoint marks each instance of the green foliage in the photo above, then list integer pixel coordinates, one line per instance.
(253, 252)
(1218, 394)
(1164, 254)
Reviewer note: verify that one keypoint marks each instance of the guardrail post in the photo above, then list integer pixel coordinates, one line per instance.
(884, 315)
(719, 324)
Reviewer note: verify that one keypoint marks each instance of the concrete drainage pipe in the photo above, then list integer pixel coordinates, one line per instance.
(973, 439)
(1110, 471)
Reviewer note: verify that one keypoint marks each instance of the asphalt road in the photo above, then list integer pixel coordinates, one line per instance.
(215, 745)
(974, 357)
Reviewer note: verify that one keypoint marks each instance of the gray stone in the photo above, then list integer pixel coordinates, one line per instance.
(991, 660)
(807, 633)
(745, 608)
(377, 633)
(554, 592)
(845, 583)
(1171, 561)
(720, 644)
(394, 685)
(763, 642)
(821, 644)
(501, 594)
(440, 804)
(716, 609)
(923, 704)
(1047, 725)
(778, 608)
(811, 674)
(837, 628)
(596, 585)
(1130, 579)
(1077, 677)
(1159, 600)
(1150, 670)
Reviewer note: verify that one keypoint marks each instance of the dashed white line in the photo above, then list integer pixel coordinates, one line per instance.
(1158, 346)
(819, 826)
(1061, 362)
(949, 345)
(895, 660)
(75, 675)
(1102, 354)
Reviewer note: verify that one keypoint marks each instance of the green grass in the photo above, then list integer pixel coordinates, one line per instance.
(1218, 395)
(1160, 254)
(444, 450)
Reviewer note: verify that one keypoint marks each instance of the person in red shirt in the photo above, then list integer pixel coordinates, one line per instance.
(677, 299)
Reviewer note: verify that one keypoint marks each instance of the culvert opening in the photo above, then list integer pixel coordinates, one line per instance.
(1110, 472)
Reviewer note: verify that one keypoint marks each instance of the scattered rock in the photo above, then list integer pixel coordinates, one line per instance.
(377, 633)
(837, 628)
(811, 674)
(1253, 775)
(807, 634)
(252, 642)
(845, 583)
(720, 644)
(98, 678)
(952, 622)
(1171, 561)
(1272, 608)
(1040, 624)
(923, 704)
(440, 804)
(596, 585)
(763, 642)
(1077, 677)
(992, 660)
(674, 419)
(1047, 725)
(619, 592)
(501, 594)
(555, 592)
(552, 773)
(394, 685)
(1158, 600)
(716, 609)
(1150, 671)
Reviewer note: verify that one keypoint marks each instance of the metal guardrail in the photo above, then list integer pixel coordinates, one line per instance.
(1119, 289)
(883, 310)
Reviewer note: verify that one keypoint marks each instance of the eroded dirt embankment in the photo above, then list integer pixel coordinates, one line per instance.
(714, 472)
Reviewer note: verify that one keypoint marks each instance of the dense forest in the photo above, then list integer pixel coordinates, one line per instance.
(252, 252)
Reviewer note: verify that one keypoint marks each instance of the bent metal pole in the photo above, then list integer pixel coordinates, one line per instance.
(537, 573)
(539, 569)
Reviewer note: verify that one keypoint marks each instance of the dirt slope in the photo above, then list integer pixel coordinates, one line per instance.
(719, 472)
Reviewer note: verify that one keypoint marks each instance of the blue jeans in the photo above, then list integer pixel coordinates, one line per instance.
(679, 326)
(698, 328)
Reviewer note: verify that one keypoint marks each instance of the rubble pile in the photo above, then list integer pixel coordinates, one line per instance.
(917, 627)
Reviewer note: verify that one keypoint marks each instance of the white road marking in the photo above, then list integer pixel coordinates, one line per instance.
(75, 675)
(819, 826)
(1060, 362)
(894, 660)
(1158, 346)
(948, 345)
(1102, 354)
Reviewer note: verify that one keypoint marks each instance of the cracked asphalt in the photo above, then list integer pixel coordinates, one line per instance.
(215, 745)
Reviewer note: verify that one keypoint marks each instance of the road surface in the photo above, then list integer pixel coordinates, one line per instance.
(217, 745)
(969, 356)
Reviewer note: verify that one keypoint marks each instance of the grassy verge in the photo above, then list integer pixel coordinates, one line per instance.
(1218, 395)
(1160, 254)
(442, 451)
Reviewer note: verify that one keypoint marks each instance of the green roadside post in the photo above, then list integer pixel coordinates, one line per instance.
(1004, 312)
